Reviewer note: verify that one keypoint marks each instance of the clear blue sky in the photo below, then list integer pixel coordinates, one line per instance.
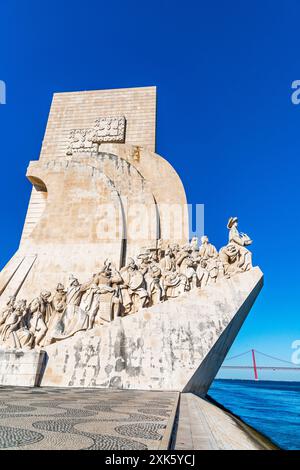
(225, 118)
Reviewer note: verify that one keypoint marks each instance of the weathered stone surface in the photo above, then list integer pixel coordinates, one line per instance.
(177, 345)
(21, 368)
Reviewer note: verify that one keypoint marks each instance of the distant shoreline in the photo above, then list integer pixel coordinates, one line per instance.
(258, 381)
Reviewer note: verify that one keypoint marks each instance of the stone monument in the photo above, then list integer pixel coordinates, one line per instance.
(106, 289)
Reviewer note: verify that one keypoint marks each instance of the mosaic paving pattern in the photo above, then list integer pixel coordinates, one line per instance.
(50, 418)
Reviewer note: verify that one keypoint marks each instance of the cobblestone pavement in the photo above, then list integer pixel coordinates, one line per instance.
(51, 418)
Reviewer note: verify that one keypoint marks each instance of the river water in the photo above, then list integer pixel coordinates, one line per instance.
(271, 407)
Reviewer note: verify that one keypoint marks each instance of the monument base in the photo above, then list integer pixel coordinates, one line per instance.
(177, 345)
(21, 368)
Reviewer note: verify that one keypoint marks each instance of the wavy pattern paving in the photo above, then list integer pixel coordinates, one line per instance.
(91, 419)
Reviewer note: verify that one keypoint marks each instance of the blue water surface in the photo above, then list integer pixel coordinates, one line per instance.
(272, 408)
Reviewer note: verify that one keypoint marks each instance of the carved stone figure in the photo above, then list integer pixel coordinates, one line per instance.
(58, 305)
(103, 298)
(213, 269)
(175, 249)
(73, 319)
(116, 282)
(6, 311)
(45, 305)
(241, 240)
(16, 334)
(186, 265)
(156, 290)
(221, 271)
(229, 256)
(74, 292)
(194, 243)
(36, 320)
(90, 302)
(134, 291)
(59, 301)
(153, 258)
(144, 262)
(161, 249)
(168, 263)
(207, 250)
(175, 284)
(13, 319)
(202, 273)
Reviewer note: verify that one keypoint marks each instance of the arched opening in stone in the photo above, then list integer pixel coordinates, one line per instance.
(36, 207)
(38, 184)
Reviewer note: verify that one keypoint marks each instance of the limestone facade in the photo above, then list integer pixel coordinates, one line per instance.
(105, 263)
(89, 205)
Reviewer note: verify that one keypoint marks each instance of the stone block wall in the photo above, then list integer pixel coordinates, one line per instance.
(80, 109)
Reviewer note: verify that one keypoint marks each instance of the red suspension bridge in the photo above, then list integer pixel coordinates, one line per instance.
(255, 367)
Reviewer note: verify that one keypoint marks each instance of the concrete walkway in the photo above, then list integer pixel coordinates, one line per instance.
(193, 431)
(203, 426)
